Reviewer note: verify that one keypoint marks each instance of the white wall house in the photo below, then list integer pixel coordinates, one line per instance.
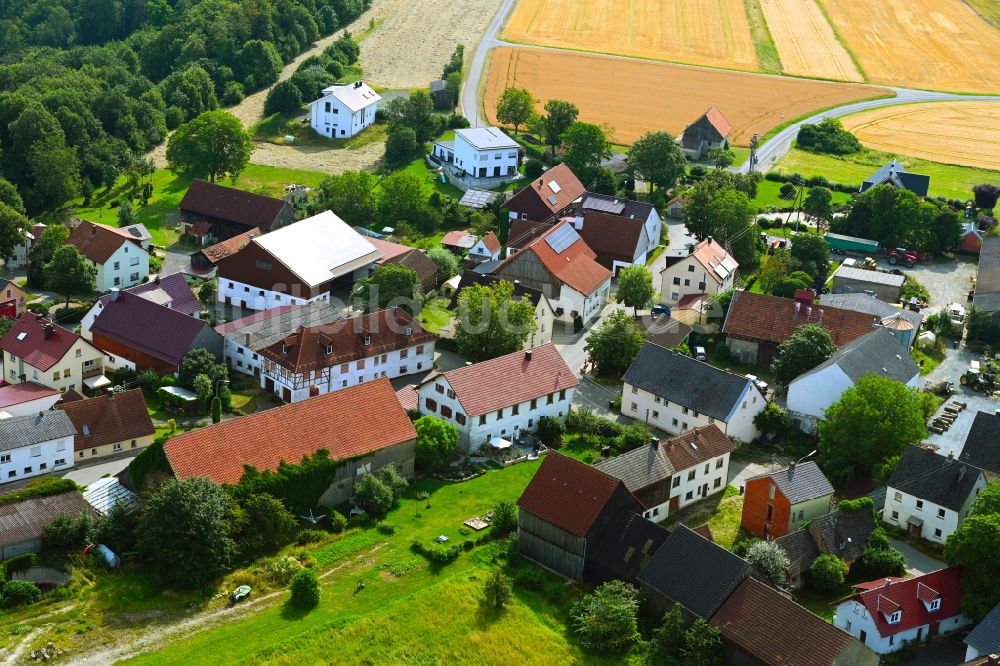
(886, 615)
(708, 269)
(878, 353)
(501, 397)
(929, 495)
(128, 266)
(675, 393)
(344, 110)
(35, 444)
(480, 152)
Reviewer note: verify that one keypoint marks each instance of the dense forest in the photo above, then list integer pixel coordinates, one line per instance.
(88, 86)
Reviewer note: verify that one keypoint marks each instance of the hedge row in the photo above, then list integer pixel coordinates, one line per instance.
(812, 181)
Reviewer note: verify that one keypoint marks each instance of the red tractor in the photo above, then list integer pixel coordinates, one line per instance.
(903, 256)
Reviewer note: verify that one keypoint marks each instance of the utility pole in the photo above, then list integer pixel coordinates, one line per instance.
(754, 143)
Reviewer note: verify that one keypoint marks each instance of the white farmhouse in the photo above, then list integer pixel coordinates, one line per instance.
(344, 110)
(675, 393)
(709, 269)
(35, 444)
(326, 358)
(497, 399)
(888, 613)
(929, 495)
(480, 152)
(119, 257)
(876, 353)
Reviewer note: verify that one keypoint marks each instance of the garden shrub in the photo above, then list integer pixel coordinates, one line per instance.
(438, 553)
(281, 569)
(309, 536)
(19, 593)
(497, 588)
(504, 518)
(531, 577)
(468, 544)
(305, 589)
(827, 572)
(386, 528)
(551, 430)
(338, 522)
(19, 563)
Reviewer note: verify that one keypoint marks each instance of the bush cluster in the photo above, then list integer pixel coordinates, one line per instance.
(812, 181)
(438, 553)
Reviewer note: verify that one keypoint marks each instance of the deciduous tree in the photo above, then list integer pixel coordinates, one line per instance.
(827, 572)
(668, 638)
(497, 588)
(348, 193)
(808, 346)
(491, 322)
(702, 645)
(70, 273)
(305, 588)
(818, 204)
(974, 546)
(437, 440)
(559, 115)
(446, 262)
(515, 107)
(214, 144)
(390, 284)
(657, 159)
(13, 226)
(769, 561)
(813, 255)
(605, 620)
(635, 287)
(614, 345)
(722, 158)
(585, 146)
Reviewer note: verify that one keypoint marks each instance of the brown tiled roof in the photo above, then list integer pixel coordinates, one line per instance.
(522, 232)
(37, 350)
(491, 242)
(569, 186)
(348, 423)
(705, 531)
(420, 264)
(408, 397)
(228, 203)
(507, 380)
(776, 630)
(72, 395)
(774, 319)
(388, 249)
(696, 446)
(219, 251)
(25, 519)
(613, 235)
(98, 242)
(116, 417)
(718, 121)
(575, 265)
(305, 350)
(568, 493)
(17, 394)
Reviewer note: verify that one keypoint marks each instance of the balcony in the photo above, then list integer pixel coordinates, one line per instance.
(92, 372)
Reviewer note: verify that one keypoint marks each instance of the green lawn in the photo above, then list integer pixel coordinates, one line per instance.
(409, 611)
(768, 196)
(927, 359)
(275, 128)
(169, 188)
(721, 512)
(432, 182)
(953, 182)
(435, 315)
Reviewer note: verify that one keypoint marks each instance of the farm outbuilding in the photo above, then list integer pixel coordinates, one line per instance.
(441, 96)
(886, 286)
(22, 521)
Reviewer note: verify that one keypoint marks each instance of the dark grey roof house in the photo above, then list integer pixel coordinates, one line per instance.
(877, 353)
(626, 547)
(664, 331)
(985, 638)
(22, 431)
(895, 174)
(982, 444)
(801, 483)
(987, 294)
(844, 534)
(22, 521)
(691, 570)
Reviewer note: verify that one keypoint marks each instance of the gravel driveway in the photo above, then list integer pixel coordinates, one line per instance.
(955, 363)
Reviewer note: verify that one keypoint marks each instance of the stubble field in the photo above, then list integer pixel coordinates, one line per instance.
(932, 44)
(699, 32)
(963, 133)
(632, 97)
(805, 41)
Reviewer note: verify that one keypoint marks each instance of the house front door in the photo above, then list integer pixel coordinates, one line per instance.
(286, 394)
(269, 385)
(704, 490)
(674, 503)
(933, 629)
(862, 636)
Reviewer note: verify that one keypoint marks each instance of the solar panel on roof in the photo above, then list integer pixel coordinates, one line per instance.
(552, 200)
(562, 238)
(604, 206)
(729, 264)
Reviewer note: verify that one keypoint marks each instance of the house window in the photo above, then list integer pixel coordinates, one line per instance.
(677, 482)
(534, 403)
(499, 414)
(691, 475)
(403, 370)
(634, 407)
(515, 410)
(701, 285)
(361, 364)
(895, 617)
(687, 282)
(345, 367)
(431, 404)
(940, 513)
(36, 451)
(892, 639)
(770, 491)
(66, 373)
(60, 461)
(446, 411)
(718, 482)
(895, 515)
(420, 349)
(920, 505)
(656, 399)
(898, 496)
(549, 399)
(770, 511)
(689, 495)
(675, 423)
(117, 447)
(690, 268)
(134, 261)
(460, 418)
(451, 394)
(5, 458)
(27, 470)
(403, 353)
(61, 445)
(935, 605)
(133, 443)
(718, 463)
(482, 419)
(439, 388)
(117, 265)
(937, 533)
(635, 389)
(656, 414)
(677, 280)
(706, 468)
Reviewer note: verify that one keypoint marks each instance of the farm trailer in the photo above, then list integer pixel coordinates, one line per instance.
(840, 244)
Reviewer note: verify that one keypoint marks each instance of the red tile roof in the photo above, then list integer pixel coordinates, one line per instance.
(460, 239)
(116, 417)
(219, 251)
(492, 243)
(771, 627)
(305, 350)
(718, 121)
(17, 394)
(871, 585)
(508, 380)
(98, 242)
(568, 493)
(37, 350)
(228, 203)
(408, 397)
(390, 250)
(348, 423)
(696, 446)
(774, 319)
(710, 255)
(568, 185)
(905, 595)
(575, 265)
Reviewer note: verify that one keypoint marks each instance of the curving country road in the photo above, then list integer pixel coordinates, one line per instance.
(768, 152)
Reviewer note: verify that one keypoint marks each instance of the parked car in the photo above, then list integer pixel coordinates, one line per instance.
(658, 310)
(699, 353)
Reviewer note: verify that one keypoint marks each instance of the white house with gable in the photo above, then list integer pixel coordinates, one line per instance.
(480, 152)
(35, 444)
(344, 110)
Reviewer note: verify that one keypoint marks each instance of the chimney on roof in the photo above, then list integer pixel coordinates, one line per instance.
(41, 416)
(157, 279)
(115, 293)
(875, 322)
(798, 306)
(820, 317)
(993, 660)
(791, 470)
(527, 355)
(809, 312)
(246, 339)
(888, 582)
(93, 229)
(49, 330)
(951, 455)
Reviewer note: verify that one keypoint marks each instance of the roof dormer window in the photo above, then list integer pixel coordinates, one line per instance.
(895, 617)
(408, 330)
(368, 340)
(934, 605)
(329, 349)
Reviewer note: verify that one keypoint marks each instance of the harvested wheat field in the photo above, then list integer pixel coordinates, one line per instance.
(699, 32)
(805, 41)
(963, 133)
(931, 44)
(632, 97)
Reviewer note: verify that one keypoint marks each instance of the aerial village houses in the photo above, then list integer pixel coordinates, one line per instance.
(561, 265)
(542, 199)
(544, 315)
(137, 333)
(13, 300)
(458, 241)
(244, 338)
(205, 260)
(711, 130)
(625, 209)
(211, 212)
(296, 264)
(364, 426)
(344, 110)
(930, 495)
(110, 424)
(872, 306)
(170, 291)
(35, 444)
(119, 257)
(26, 398)
(479, 153)
(25, 519)
(564, 511)
(757, 323)
(885, 286)
(37, 350)
(981, 449)
(876, 353)
(972, 238)
(675, 393)
(616, 241)
(330, 357)
(412, 258)
(498, 398)
(760, 625)
(674, 472)
(487, 248)
(844, 534)
(885, 614)
(896, 175)
(777, 503)
(708, 270)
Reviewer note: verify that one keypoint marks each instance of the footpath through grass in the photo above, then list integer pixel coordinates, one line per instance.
(409, 611)
(160, 214)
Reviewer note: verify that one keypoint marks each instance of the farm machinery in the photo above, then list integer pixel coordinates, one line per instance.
(980, 378)
(901, 255)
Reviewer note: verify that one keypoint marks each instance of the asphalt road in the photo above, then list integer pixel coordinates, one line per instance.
(470, 91)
